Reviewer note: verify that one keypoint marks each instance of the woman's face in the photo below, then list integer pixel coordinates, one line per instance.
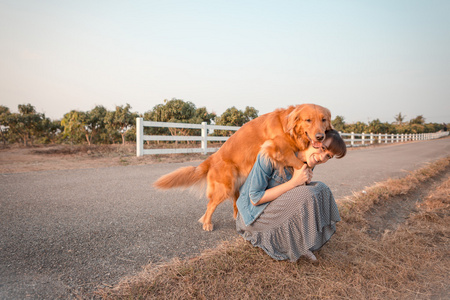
(318, 156)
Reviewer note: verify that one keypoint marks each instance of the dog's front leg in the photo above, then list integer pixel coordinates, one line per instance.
(282, 152)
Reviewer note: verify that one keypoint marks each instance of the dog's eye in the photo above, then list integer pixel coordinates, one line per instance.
(324, 120)
(308, 120)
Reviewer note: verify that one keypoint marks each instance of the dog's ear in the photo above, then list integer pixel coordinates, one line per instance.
(327, 114)
(293, 118)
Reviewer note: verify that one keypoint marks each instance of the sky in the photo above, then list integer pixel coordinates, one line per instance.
(363, 60)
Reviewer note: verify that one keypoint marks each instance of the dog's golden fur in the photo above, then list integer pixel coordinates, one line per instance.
(279, 135)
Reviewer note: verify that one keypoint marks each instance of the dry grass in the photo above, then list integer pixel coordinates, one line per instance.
(412, 262)
(355, 207)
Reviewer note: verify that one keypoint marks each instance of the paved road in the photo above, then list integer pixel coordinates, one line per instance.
(65, 232)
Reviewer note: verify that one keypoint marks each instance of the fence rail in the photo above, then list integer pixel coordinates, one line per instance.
(365, 139)
(204, 138)
(351, 139)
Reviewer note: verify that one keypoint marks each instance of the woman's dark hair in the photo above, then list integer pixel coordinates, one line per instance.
(337, 145)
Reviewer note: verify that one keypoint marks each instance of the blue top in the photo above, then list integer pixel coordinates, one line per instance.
(263, 176)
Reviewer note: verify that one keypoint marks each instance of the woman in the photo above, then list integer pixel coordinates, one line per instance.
(284, 213)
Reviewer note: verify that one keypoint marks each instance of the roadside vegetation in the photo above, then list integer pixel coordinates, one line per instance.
(406, 255)
(101, 126)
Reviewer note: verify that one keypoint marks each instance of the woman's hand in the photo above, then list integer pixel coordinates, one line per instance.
(301, 176)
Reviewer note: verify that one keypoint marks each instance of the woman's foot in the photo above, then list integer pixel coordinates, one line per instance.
(309, 255)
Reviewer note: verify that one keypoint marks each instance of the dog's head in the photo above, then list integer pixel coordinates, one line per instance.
(307, 124)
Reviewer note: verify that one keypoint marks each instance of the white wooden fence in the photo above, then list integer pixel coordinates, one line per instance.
(204, 137)
(351, 139)
(366, 139)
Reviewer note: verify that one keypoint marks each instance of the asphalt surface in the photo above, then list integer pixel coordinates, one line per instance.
(63, 233)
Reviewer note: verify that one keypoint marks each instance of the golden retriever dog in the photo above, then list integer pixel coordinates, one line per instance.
(279, 134)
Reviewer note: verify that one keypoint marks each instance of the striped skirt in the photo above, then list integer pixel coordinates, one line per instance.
(301, 220)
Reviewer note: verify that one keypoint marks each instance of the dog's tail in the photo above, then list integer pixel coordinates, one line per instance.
(186, 177)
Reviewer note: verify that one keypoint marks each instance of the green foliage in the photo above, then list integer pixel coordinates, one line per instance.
(94, 124)
(121, 120)
(53, 134)
(416, 125)
(235, 117)
(357, 127)
(4, 116)
(25, 126)
(418, 120)
(400, 118)
(376, 126)
(177, 111)
(73, 126)
(338, 123)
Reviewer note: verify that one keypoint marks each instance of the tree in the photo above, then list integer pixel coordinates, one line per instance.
(202, 115)
(418, 120)
(27, 124)
(4, 122)
(177, 111)
(73, 126)
(94, 122)
(250, 113)
(376, 126)
(235, 117)
(357, 127)
(399, 118)
(417, 128)
(338, 123)
(53, 131)
(121, 120)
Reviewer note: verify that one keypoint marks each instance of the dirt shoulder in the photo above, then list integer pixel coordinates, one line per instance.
(18, 159)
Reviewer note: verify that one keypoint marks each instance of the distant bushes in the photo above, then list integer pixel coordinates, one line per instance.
(416, 125)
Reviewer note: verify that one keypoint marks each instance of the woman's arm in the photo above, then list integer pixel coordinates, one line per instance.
(300, 176)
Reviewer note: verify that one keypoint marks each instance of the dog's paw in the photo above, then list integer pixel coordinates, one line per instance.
(208, 227)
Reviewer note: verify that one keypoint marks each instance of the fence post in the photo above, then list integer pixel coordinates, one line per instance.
(371, 138)
(204, 138)
(139, 137)
(353, 139)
